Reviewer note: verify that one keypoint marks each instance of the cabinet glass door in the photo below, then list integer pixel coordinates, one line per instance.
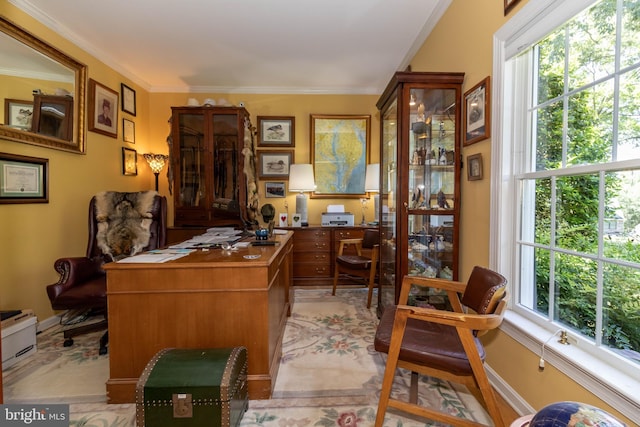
(225, 162)
(191, 178)
(430, 196)
(388, 202)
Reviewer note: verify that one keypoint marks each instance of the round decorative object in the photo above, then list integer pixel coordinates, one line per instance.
(262, 234)
(564, 414)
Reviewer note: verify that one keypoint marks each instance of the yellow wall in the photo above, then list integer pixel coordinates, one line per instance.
(32, 236)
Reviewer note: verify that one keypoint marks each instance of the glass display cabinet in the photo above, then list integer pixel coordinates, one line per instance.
(420, 181)
(208, 166)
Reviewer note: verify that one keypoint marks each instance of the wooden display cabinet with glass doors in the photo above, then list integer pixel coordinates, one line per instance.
(209, 180)
(420, 181)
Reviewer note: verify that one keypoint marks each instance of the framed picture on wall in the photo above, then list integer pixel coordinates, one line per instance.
(508, 5)
(276, 131)
(128, 99)
(274, 189)
(128, 131)
(23, 179)
(274, 164)
(129, 161)
(103, 109)
(477, 112)
(474, 167)
(339, 154)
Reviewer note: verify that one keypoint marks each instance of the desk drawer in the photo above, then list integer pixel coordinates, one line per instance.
(311, 270)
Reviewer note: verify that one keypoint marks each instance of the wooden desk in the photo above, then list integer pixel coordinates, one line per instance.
(204, 300)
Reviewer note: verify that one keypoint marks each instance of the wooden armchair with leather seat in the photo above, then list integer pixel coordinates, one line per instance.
(359, 264)
(120, 225)
(442, 344)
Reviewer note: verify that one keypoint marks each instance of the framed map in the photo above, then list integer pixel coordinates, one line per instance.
(339, 154)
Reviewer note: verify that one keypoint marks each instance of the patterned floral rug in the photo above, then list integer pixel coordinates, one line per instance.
(329, 375)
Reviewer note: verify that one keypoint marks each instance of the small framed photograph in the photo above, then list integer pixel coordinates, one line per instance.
(128, 99)
(477, 112)
(128, 131)
(508, 5)
(274, 189)
(276, 131)
(103, 109)
(474, 167)
(23, 179)
(274, 164)
(129, 161)
(18, 113)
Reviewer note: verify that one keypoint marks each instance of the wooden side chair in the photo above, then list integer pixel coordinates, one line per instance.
(442, 344)
(359, 265)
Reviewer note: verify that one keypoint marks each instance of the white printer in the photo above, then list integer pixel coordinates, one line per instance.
(335, 216)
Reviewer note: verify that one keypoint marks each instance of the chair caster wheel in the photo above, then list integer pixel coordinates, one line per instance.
(103, 350)
(68, 342)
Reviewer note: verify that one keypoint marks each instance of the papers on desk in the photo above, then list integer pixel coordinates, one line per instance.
(211, 239)
(157, 256)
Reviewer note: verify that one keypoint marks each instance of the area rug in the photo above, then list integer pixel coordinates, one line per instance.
(58, 374)
(330, 374)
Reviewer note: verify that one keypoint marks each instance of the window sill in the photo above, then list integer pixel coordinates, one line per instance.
(604, 380)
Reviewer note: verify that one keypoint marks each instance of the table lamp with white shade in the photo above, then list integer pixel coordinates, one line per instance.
(372, 185)
(301, 179)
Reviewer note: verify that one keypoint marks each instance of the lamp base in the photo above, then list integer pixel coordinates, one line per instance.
(301, 208)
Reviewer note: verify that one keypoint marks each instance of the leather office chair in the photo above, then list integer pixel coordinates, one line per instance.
(113, 231)
(359, 265)
(442, 344)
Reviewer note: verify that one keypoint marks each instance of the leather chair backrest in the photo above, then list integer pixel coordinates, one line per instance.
(485, 288)
(158, 228)
(371, 237)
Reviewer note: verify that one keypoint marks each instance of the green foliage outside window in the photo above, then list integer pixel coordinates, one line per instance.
(578, 127)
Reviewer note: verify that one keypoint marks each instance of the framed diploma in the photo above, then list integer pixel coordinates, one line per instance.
(23, 179)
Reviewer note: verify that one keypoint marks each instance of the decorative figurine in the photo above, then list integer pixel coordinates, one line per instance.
(442, 200)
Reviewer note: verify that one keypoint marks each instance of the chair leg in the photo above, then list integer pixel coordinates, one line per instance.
(104, 340)
(390, 369)
(335, 280)
(480, 376)
(372, 282)
(413, 388)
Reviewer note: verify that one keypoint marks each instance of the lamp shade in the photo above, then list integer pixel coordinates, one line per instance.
(301, 178)
(156, 161)
(372, 178)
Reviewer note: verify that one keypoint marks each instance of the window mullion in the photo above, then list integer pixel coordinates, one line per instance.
(552, 252)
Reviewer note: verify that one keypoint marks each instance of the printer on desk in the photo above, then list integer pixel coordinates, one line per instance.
(335, 216)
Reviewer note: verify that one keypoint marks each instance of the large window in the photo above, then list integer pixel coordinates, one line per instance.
(569, 168)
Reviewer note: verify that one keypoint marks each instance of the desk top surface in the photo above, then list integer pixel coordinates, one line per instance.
(242, 257)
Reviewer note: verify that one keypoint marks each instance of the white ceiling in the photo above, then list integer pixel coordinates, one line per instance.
(247, 46)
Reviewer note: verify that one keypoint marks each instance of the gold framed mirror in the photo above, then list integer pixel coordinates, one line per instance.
(32, 68)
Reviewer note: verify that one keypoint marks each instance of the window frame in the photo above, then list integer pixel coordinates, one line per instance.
(587, 367)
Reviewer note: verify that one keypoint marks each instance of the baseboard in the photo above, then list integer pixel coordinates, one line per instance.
(508, 393)
(48, 323)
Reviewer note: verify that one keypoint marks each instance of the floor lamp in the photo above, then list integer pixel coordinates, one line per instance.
(156, 163)
(301, 179)
(372, 185)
